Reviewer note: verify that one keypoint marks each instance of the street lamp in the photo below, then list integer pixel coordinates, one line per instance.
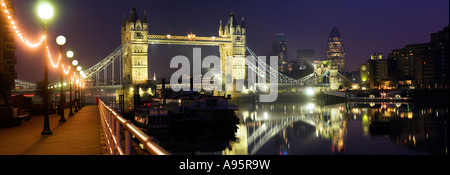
(70, 55)
(79, 69)
(61, 40)
(75, 64)
(45, 12)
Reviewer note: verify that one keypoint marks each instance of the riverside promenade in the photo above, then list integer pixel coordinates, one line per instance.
(79, 135)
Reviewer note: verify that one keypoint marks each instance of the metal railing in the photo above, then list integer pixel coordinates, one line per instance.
(114, 125)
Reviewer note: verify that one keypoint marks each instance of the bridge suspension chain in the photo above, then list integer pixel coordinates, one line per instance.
(272, 72)
(105, 62)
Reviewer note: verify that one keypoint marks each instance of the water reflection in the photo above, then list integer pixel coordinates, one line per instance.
(302, 129)
(372, 128)
(195, 141)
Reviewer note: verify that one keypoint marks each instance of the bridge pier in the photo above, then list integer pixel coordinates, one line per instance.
(327, 99)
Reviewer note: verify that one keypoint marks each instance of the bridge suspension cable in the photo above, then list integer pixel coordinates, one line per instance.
(263, 67)
(104, 63)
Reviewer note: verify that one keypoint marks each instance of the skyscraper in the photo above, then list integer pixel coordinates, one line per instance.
(279, 48)
(439, 46)
(336, 51)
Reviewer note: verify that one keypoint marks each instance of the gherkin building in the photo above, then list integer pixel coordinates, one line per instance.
(336, 51)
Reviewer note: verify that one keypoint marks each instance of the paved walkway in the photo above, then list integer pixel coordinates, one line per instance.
(80, 135)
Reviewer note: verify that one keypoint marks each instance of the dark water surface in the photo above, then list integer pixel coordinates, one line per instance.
(309, 129)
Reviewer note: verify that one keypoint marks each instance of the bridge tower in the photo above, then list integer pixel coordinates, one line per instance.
(334, 79)
(135, 56)
(235, 50)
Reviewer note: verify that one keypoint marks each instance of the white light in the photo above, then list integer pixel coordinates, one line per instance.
(75, 63)
(69, 54)
(310, 106)
(309, 91)
(45, 11)
(79, 68)
(61, 40)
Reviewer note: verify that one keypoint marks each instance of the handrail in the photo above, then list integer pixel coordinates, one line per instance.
(114, 125)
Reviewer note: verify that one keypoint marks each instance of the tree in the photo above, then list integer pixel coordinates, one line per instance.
(40, 89)
(6, 84)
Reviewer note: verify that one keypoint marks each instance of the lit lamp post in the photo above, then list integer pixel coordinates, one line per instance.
(75, 64)
(69, 55)
(45, 12)
(79, 68)
(61, 40)
(82, 97)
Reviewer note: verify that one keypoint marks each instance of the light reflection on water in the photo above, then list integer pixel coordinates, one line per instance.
(372, 128)
(305, 129)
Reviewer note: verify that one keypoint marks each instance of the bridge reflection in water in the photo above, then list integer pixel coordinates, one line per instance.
(371, 128)
(305, 129)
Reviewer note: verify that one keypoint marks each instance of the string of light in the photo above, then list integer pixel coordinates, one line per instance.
(51, 60)
(27, 42)
(17, 31)
(66, 71)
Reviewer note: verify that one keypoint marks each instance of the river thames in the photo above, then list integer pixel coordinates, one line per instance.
(309, 129)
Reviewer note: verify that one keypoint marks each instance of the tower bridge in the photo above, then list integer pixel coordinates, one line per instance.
(231, 40)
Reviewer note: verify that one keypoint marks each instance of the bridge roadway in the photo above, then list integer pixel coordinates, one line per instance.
(80, 135)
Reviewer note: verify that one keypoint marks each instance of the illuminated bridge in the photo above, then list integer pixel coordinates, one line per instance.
(132, 56)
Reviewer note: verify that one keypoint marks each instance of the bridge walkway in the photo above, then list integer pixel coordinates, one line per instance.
(80, 135)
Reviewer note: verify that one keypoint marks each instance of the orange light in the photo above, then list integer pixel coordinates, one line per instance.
(66, 71)
(191, 36)
(51, 60)
(14, 27)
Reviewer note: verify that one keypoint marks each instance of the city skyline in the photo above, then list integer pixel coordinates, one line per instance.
(366, 27)
(219, 78)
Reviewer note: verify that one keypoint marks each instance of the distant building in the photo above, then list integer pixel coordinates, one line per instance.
(439, 47)
(305, 59)
(336, 51)
(376, 55)
(423, 65)
(414, 64)
(364, 75)
(279, 48)
(380, 68)
(375, 73)
(8, 58)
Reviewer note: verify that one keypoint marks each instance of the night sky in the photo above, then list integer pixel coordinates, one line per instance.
(92, 27)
